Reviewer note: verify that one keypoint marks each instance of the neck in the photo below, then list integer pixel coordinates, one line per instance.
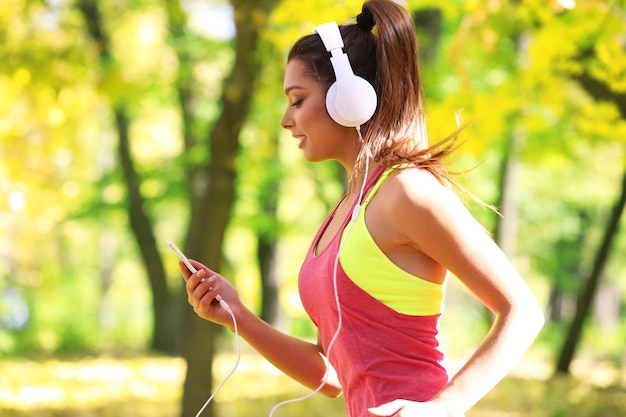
(357, 179)
(357, 165)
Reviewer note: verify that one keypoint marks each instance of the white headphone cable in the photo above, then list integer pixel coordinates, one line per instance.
(236, 330)
(355, 212)
(226, 307)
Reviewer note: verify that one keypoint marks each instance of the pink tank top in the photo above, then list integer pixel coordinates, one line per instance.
(380, 354)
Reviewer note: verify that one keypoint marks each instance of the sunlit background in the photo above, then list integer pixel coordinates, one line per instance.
(542, 85)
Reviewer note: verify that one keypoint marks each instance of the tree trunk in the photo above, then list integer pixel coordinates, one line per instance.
(587, 295)
(162, 303)
(506, 226)
(600, 91)
(268, 232)
(163, 329)
(267, 253)
(213, 193)
(428, 24)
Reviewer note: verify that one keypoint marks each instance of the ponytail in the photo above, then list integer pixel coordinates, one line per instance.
(397, 135)
(398, 127)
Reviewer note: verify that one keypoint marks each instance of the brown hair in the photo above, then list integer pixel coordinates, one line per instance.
(388, 58)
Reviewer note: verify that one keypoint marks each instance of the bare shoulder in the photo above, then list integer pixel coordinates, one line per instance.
(419, 208)
(417, 189)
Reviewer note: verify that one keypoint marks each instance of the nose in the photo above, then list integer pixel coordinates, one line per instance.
(286, 122)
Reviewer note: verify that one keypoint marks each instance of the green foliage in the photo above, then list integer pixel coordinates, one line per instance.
(508, 68)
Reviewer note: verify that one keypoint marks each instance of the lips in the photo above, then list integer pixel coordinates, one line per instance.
(302, 141)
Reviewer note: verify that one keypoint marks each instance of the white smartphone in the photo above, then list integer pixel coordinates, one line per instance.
(182, 257)
(193, 270)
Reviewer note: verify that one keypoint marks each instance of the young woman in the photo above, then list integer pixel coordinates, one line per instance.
(373, 279)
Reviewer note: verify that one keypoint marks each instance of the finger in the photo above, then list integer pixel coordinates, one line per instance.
(386, 410)
(184, 270)
(379, 412)
(205, 288)
(199, 266)
(193, 281)
(208, 297)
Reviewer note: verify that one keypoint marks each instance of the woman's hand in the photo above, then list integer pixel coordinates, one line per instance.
(203, 287)
(404, 408)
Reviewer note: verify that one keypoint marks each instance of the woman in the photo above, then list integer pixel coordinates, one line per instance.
(373, 279)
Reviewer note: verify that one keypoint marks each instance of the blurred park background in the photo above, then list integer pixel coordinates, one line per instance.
(124, 123)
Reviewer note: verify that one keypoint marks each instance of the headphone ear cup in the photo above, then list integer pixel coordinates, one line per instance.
(351, 102)
(331, 94)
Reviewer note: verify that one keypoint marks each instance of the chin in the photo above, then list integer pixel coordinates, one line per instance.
(314, 158)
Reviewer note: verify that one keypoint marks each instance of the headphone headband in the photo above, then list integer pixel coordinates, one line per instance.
(331, 37)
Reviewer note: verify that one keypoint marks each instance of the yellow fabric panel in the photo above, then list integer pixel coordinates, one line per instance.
(370, 269)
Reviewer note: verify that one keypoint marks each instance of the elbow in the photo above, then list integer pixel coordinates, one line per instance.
(531, 315)
(534, 313)
(539, 318)
(525, 314)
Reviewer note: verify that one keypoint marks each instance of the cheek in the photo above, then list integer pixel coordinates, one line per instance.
(317, 110)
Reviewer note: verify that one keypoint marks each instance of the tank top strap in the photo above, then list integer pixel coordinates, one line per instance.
(372, 184)
(372, 181)
(379, 178)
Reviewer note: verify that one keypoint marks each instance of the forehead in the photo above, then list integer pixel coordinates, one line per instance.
(295, 75)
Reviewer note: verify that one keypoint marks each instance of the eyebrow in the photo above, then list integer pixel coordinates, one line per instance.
(293, 87)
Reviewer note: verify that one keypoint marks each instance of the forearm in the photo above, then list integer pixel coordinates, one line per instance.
(301, 360)
(509, 338)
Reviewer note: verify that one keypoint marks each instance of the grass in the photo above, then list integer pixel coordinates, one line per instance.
(151, 386)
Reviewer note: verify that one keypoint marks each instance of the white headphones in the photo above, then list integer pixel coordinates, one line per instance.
(350, 100)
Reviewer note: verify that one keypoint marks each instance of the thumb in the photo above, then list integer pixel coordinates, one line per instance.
(386, 410)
